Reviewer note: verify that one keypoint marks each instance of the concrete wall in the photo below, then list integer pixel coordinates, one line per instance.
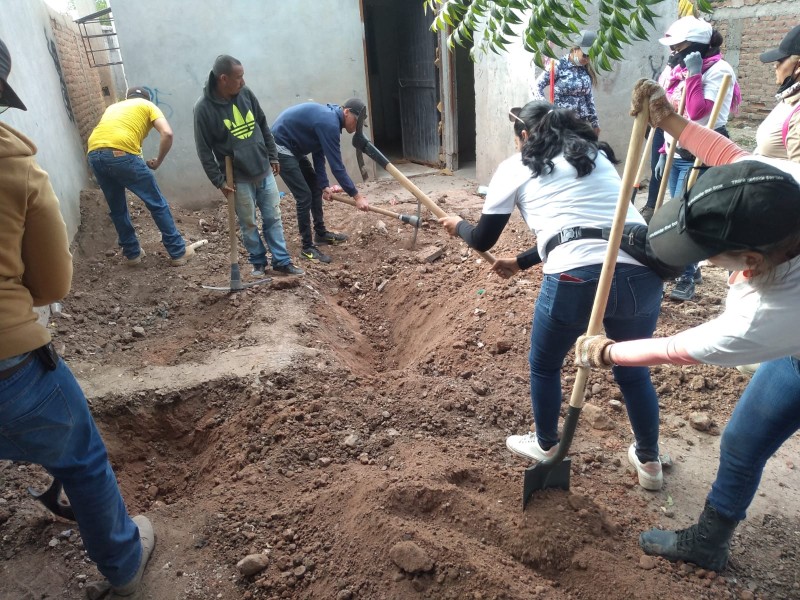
(503, 81)
(291, 51)
(40, 76)
(750, 27)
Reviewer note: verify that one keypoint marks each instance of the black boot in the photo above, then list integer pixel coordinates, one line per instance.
(706, 544)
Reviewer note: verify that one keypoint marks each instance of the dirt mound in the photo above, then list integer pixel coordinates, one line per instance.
(347, 428)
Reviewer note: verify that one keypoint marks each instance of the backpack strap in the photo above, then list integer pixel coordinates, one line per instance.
(785, 129)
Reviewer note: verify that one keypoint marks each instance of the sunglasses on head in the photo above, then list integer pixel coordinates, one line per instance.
(514, 116)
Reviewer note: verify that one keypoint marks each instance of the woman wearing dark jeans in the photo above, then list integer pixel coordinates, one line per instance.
(566, 187)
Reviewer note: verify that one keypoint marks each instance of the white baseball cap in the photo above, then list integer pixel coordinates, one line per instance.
(687, 29)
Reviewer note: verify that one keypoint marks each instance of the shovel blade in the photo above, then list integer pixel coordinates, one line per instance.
(545, 475)
(51, 499)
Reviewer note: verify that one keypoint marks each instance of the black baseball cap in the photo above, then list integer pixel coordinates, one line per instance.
(747, 205)
(790, 44)
(355, 105)
(7, 96)
(137, 92)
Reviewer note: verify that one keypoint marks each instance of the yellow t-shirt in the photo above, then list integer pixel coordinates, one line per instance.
(124, 125)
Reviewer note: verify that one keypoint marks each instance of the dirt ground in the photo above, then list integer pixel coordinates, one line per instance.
(349, 425)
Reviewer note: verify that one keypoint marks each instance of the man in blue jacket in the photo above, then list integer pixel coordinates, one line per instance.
(229, 121)
(316, 129)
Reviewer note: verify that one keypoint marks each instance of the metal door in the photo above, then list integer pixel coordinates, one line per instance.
(419, 86)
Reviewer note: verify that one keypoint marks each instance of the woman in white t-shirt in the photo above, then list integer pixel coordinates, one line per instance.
(566, 187)
(742, 215)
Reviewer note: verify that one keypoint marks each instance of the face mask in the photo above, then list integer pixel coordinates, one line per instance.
(676, 58)
(789, 81)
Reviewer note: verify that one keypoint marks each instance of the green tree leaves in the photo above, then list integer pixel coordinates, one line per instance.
(489, 25)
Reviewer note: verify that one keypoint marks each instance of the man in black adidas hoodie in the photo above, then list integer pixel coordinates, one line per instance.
(228, 121)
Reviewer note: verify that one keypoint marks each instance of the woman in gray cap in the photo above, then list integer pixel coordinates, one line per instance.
(778, 136)
(742, 215)
(571, 78)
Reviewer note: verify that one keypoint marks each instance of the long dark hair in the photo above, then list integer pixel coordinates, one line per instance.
(553, 131)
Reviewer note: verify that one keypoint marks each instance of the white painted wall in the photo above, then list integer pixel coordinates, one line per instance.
(503, 81)
(25, 28)
(291, 52)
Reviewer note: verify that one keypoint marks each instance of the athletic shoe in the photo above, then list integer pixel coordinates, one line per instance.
(182, 260)
(528, 446)
(698, 276)
(647, 213)
(683, 290)
(259, 270)
(148, 540)
(136, 260)
(329, 237)
(313, 253)
(288, 269)
(650, 475)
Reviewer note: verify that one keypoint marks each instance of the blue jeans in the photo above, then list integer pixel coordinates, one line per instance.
(562, 314)
(655, 182)
(264, 197)
(767, 414)
(116, 173)
(45, 419)
(299, 176)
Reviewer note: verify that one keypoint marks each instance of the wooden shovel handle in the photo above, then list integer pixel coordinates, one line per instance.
(712, 120)
(614, 239)
(234, 250)
(376, 209)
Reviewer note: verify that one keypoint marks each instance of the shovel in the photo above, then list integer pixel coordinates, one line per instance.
(236, 278)
(554, 472)
(52, 501)
(409, 219)
(362, 144)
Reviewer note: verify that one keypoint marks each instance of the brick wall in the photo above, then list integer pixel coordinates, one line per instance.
(750, 27)
(83, 86)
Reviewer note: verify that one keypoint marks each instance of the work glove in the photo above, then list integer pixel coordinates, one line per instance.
(648, 91)
(658, 171)
(694, 63)
(590, 351)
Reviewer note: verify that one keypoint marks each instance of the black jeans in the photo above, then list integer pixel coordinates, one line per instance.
(300, 178)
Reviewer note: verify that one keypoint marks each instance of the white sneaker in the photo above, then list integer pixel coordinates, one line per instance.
(650, 475)
(528, 446)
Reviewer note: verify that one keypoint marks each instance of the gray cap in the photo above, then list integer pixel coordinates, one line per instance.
(586, 40)
(354, 105)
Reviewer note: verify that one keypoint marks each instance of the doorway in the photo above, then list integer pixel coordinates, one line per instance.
(405, 83)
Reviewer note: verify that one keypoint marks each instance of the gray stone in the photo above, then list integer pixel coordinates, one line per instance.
(252, 564)
(410, 557)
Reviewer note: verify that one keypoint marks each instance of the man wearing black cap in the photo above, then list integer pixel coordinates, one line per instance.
(44, 416)
(115, 148)
(316, 129)
(778, 136)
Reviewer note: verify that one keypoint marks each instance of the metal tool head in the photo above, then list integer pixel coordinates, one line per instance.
(52, 501)
(359, 150)
(418, 219)
(236, 282)
(544, 475)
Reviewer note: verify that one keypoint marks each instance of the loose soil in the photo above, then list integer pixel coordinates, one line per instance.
(350, 424)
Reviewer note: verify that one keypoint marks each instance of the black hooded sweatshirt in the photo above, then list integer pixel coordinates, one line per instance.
(236, 128)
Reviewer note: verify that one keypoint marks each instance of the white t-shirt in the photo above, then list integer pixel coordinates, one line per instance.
(560, 200)
(756, 326)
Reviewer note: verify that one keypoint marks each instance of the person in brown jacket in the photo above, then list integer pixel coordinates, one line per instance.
(44, 415)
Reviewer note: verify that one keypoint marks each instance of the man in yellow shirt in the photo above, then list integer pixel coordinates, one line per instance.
(115, 148)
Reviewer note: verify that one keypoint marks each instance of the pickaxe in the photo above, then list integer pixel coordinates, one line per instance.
(363, 145)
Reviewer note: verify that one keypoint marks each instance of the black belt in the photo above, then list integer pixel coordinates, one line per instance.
(47, 354)
(571, 234)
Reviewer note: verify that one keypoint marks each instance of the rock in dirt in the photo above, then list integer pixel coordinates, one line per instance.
(138, 332)
(252, 564)
(410, 557)
(697, 383)
(700, 421)
(647, 562)
(597, 418)
(351, 440)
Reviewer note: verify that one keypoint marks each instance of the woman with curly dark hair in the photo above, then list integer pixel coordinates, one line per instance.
(566, 187)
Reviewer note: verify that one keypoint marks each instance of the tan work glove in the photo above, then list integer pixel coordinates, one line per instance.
(591, 351)
(647, 90)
